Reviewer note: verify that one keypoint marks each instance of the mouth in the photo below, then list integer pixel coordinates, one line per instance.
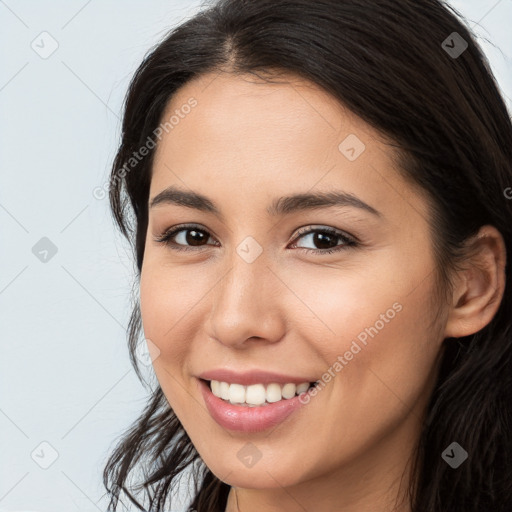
(253, 412)
(256, 395)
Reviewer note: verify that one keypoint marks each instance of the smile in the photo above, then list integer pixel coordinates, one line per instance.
(246, 415)
(257, 394)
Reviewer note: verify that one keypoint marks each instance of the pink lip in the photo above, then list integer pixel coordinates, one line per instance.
(252, 377)
(247, 419)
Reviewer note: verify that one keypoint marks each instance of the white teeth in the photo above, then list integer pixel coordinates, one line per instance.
(256, 394)
(236, 393)
(288, 390)
(302, 387)
(273, 393)
(224, 390)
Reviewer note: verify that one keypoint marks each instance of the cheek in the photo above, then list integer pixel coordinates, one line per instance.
(167, 298)
(385, 371)
(374, 335)
(339, 305)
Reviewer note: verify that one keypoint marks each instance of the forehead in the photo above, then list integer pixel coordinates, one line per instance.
(252, 113)
(289, 136)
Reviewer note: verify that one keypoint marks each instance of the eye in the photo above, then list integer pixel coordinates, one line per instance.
(195, 237)
(326, 236)
(177, 238)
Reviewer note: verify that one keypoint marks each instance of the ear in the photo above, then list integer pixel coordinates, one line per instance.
(480, 286)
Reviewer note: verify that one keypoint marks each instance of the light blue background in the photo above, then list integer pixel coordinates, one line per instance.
(65, 374)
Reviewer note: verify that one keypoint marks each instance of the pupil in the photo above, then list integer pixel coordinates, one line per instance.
(319, 238)
(197, 237)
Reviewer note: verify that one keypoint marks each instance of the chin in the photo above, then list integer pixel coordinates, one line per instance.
(261, 475)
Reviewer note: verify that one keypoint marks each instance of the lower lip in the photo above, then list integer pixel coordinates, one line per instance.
(247, 419)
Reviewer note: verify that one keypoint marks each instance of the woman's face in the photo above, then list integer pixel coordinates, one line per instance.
(262, 286)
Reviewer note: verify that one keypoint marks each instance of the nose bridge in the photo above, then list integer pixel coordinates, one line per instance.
(245, 299)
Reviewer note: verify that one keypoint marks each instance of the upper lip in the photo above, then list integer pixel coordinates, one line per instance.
(252, 377)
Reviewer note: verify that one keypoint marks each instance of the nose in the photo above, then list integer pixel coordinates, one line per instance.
(246, 304)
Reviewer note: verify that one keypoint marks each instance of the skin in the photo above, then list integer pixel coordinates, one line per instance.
(244, 144)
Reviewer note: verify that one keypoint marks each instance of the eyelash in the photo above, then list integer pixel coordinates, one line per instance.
(348, 241)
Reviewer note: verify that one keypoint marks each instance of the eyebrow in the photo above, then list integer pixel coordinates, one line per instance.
(281, 206)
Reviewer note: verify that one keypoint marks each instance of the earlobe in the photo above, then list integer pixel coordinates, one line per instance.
(480, 287)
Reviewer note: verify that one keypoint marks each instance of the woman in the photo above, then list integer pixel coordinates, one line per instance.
(318, 194)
